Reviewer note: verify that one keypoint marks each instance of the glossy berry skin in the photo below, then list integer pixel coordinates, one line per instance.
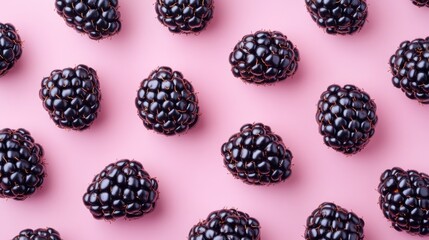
(410, 69)
(421, 3)
(166, 102)
(264, 57)
(226, 224)
(38, 234)
(21, 164)
(72, 97)
(330, 221)
(122, 190)
(184, 16)
(257, 156)
(10, 47)
(338, 16)
(404, 200)
(96, 18)
(346, 117)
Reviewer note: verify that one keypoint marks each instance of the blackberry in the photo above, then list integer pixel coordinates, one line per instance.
(264, 57)
(122, 190)
(96, 18)
(410, 69)
(184, 16)
(10, 47)
(421, 3)
(346, 117)
(330, 221)
(72, 97)
(257, 156)
(38, 234)
(226, 224)
(338, 16)
(404, 200)
(21, 164)
(166, 102)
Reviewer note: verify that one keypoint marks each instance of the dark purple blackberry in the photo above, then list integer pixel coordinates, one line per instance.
(338, 16)
(166, 102)
(226, 224)
(10, 47)
(346, 117)
(184, 16)
(404, 200)
(330, 221)
(72, 97)
(122, 190)
(410, 69)
(264, 57)
(257, 156)
(21, 164)
(96, 18)
(421, 3)
(38, 234)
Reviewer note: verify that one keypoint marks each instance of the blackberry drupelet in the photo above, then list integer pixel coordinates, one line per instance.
(10, 47)
(338, 16)
(346, 117)
(264, 57)
(404, 200)
(96, 18)
(122, 190)
(226, 224)
(410, 69)
(421, 3)
(21, 164)
(72, 97)
(257, 156)
(38, 234)
(166, 102)
(184, 16)
(330, 221)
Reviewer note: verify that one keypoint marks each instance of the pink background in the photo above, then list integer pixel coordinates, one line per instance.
(192, 179)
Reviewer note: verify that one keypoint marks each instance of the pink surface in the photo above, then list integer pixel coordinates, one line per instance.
(189, 168)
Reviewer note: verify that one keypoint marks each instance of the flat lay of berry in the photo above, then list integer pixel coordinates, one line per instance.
(226, 224)
(421, 3)
(38, 234)
(10, 47)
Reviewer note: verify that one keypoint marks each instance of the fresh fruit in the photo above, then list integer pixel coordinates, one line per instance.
(409, 66)
(184, 16)
(338, 16)
(346, 117)
(10, 47)
(166, 102)
(38, 234)
(421, 3)
(330, 221)
(264, 57)
(21, 164)
(72, 97)
(96, 18)
(404, 200)
(257, 156)
(121, 190)
(226, 224)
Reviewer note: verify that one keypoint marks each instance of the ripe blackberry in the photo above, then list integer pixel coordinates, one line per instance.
(38, 234)
(226, 224)
(421, 3)
(330, 221)
(72, 97)
(410, 69)
(346, 117)
(97, 18)
(184, 16)
(10, 47)
(404, 200)
(264, 57)
(166, 102)
(257, 156)
(122, 189)
(338, 16)
(21, 164)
